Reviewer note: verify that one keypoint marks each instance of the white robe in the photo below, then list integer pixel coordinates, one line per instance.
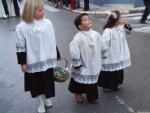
(37, 40)
(87, 56)
(118, 51)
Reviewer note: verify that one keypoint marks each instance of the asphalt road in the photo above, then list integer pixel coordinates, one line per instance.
(134, 96)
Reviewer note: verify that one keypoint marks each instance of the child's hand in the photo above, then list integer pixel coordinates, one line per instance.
(77, 69)
(24, 68)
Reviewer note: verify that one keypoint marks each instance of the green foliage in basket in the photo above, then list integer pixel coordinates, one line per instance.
(60, 74)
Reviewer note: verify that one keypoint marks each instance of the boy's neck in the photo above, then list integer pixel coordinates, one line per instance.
(85, 29)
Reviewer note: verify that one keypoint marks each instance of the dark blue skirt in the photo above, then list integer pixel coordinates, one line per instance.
(40, 83)
(90, 90)
(110, 80)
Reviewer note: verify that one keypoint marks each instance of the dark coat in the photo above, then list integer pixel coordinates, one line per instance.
(146, 2)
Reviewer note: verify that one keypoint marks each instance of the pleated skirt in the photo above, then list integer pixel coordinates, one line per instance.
(40, 83)
(110, 80)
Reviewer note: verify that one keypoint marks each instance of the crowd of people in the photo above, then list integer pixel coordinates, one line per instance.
(74, 4)
(10, 8)
(97, 60)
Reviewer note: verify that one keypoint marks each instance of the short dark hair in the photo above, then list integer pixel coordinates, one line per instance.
(77, 20)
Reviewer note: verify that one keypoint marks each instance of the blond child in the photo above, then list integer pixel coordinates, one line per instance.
(37, 53)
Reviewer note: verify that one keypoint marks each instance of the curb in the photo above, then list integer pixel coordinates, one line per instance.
(103, 12)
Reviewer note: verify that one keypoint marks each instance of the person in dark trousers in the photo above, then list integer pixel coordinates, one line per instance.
(66, 2)
(5, 7)
(73, 4)
(146, 11)
(16, 7)
(77, 4)
(86, 5)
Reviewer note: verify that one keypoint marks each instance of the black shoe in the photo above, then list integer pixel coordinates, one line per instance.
(107, 90)
(116, 89)
(86, 10)
(143, 23)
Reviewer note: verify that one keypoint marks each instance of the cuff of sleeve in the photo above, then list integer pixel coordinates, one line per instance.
(76, 63)
(21, 57)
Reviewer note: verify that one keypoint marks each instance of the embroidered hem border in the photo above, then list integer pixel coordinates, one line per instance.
(116, 66)
(41, 66)
(85, 79)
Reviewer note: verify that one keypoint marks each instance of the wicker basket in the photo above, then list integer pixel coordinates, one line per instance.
(61, 74)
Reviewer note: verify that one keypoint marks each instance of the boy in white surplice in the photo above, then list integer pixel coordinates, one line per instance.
(86, 51)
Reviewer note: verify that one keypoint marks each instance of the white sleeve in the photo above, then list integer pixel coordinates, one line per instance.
(75, 52)
(20, 40)
(105, 42)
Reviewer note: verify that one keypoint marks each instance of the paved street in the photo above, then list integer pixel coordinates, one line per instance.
(134, 96)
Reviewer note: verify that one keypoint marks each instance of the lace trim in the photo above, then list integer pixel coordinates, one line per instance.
(42, 66)
(20, 49)
(76, 62)
(85, 79)
(116, 66)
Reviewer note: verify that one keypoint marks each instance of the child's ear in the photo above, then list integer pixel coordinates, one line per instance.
(80, 26)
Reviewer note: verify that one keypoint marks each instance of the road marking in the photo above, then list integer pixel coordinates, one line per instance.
(134, 16)
(142, 29)
(128, 107)
(51, 9)
(143, 112)
(125, 105)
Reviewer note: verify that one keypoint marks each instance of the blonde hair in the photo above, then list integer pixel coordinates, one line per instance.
(29, 9)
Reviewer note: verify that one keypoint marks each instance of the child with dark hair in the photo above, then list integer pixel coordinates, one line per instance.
(85, 51)
(118, 57)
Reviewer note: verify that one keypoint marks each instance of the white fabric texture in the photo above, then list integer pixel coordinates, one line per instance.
(38, 41)
(118, 51)
(85, 50)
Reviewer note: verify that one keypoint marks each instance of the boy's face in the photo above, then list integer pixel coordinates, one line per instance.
(86, 23)
(39, 13)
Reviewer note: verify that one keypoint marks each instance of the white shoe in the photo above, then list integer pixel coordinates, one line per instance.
(41, 108)
(48, 102)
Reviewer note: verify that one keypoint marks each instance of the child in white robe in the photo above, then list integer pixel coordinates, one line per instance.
(85, 49)
(118, 58)
(37, 53)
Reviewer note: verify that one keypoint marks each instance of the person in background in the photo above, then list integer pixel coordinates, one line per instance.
(77, 4)
(4, 2)
(86, 5)
(66, 3)
(37, 53)
(2, 11)
(146, 11)
(16, 7)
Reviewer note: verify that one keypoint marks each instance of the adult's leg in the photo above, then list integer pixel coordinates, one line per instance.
(145, 14)
(16, 7)
(67, 3)
(5, 7)
(73, 4)
(86, 5)
(77, 3)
